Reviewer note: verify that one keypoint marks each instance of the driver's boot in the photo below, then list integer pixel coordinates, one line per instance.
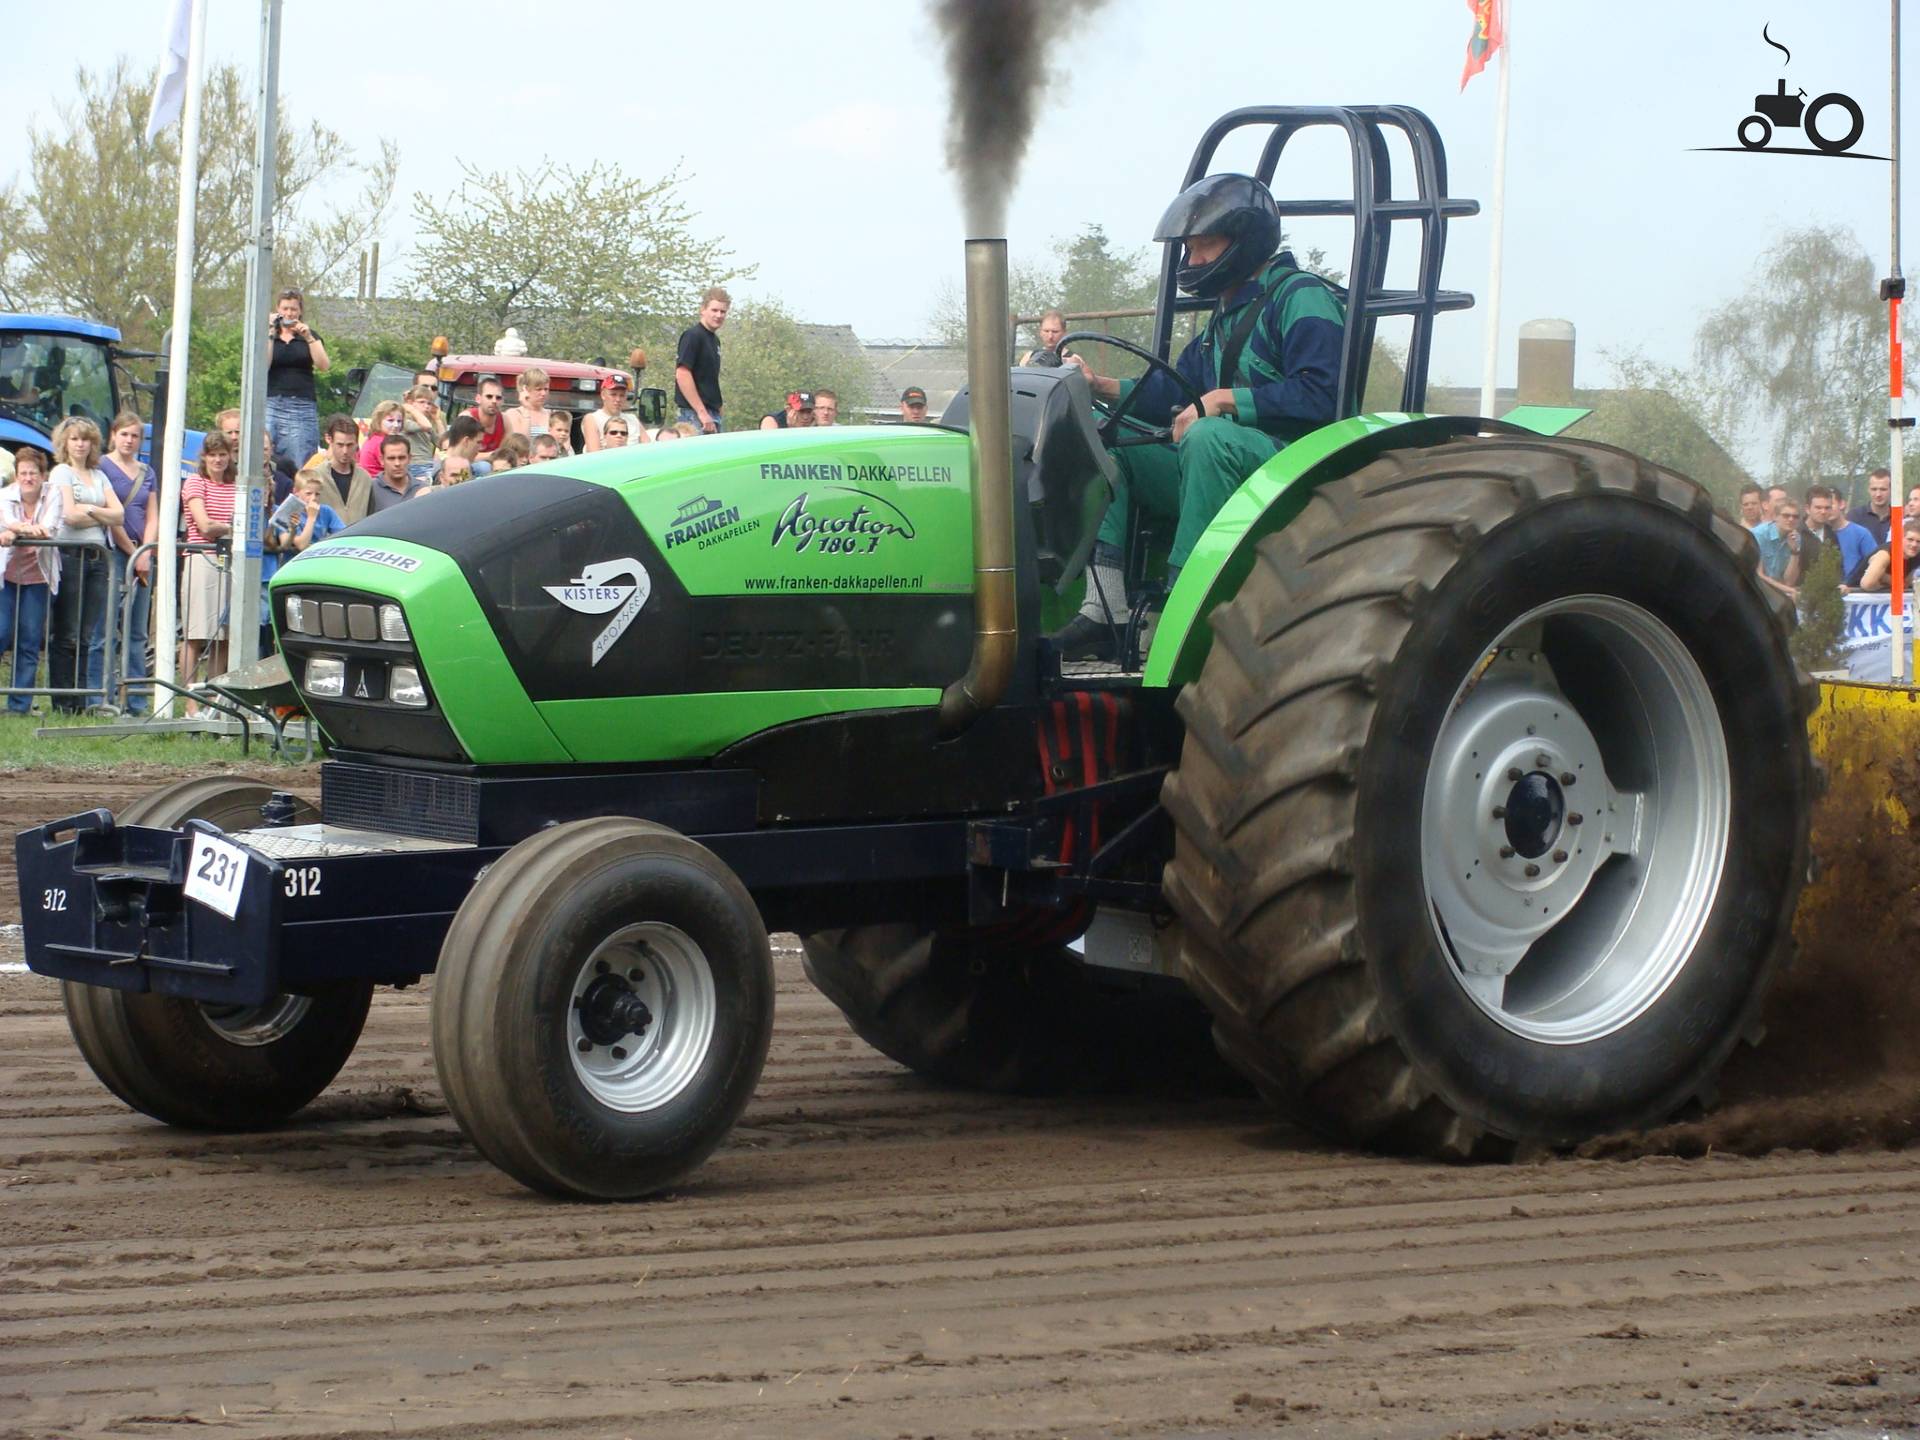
(1094, 633)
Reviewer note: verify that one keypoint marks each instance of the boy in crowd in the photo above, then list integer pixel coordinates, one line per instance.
(463, 447)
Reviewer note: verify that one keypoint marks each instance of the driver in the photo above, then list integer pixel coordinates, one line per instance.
(1265, 368)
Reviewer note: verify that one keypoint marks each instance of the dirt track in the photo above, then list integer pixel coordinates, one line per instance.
(872, 1256)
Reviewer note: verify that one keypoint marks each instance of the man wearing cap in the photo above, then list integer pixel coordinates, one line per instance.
(913, 406)
(696, 365)
(1265, 369)
(797, 416)
(613, 403)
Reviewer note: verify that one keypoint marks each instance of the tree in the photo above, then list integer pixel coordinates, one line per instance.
(1670, 417)
(92, 228)
(765, 354)
(579, 261)
(1804, 349)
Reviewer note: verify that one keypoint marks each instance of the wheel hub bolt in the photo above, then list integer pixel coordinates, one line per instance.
(1542, 761)
(1532, 870)
(1567, 777)
(583, 1045)
(619, 1053)
(1506, 852)
(600, 967)
(1575, 817)
(1499, 812)
(634, 974)
(1514, 774)
(1559, 857)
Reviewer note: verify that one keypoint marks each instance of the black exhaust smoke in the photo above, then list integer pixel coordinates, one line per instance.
(997, 71)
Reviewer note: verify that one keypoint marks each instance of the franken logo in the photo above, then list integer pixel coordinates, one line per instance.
(842, 530)
(707, 521)
(618, 585)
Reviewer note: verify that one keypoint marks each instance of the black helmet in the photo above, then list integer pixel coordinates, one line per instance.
(1236, 206)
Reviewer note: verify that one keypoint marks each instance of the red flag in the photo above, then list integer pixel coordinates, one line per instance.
(1488, 33)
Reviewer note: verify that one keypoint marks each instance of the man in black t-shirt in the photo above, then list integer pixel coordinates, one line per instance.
(696, 370)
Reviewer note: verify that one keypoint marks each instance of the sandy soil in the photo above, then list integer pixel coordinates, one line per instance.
(872, 1256)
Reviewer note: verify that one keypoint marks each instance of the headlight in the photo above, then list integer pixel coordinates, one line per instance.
(327, 676)
(393, 625)
(361, 624)
(404, 687)
(303, 616)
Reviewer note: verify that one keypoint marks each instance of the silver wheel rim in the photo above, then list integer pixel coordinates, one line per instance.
(257, 1024)
(1571, 856)
(634, 1059)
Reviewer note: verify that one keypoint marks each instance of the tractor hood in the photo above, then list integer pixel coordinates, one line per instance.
(648, 604)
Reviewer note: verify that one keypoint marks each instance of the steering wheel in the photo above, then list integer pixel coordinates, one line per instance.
(1117, 416)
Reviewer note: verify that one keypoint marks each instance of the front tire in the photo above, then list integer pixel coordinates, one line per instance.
(602, 1008)
(215, 1067)
(1366, 929)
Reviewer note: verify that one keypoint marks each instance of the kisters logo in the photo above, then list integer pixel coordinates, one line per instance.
(1832, 122)
(836, 525)
(621, 586)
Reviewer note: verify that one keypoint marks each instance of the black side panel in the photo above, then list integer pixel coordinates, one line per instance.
(890, 764)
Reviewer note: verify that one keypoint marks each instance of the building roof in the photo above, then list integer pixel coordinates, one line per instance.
(940, 370)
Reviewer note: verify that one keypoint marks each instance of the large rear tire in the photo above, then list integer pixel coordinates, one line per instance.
(215, 1067)
(602, 1008)
(981, 1011)
(1403, 923)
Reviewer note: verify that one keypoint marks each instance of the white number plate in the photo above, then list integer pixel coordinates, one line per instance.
(215, 873)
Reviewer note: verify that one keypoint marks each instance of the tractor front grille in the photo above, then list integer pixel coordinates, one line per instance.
(401, 802)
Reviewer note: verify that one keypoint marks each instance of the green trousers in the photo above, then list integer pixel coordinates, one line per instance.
(1188, 482)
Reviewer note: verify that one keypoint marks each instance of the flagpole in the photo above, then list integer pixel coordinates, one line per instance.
(166, 561)
(1490, 360)
(249, 520)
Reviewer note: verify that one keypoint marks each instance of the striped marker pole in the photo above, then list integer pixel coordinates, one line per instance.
(1892, 290)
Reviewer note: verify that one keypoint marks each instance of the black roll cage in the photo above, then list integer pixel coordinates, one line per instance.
(1373, 211)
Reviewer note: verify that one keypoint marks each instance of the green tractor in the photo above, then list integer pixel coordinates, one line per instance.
(1465, 782)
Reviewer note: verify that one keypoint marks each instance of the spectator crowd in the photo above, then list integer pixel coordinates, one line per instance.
(1793, 534)
(80, 522)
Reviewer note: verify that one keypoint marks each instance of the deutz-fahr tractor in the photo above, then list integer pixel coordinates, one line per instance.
(1465, 781)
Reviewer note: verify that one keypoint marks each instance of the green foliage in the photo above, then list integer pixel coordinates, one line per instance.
(1823, 614)
(23, 751)
(581, 262)
(91, 228)
(1804, 349)
(1668, 417)
(764, 354)
(214, 361)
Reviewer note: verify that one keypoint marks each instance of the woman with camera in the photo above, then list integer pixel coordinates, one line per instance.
(294, 356)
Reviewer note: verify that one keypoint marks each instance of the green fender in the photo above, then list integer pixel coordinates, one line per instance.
(1268, 499)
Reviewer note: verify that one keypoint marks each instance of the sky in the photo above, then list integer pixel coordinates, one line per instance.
(813, 137)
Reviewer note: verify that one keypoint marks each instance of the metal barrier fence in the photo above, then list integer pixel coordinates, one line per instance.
(116, 641)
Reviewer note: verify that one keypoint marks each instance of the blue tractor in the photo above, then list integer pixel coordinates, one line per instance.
(53, 367)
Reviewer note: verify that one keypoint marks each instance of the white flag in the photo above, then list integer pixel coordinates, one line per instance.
(170, 92)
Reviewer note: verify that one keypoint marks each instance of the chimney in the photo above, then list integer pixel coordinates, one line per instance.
(1546, 362)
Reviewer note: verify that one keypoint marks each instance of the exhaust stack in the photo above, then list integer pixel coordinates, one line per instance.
(996, 628)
